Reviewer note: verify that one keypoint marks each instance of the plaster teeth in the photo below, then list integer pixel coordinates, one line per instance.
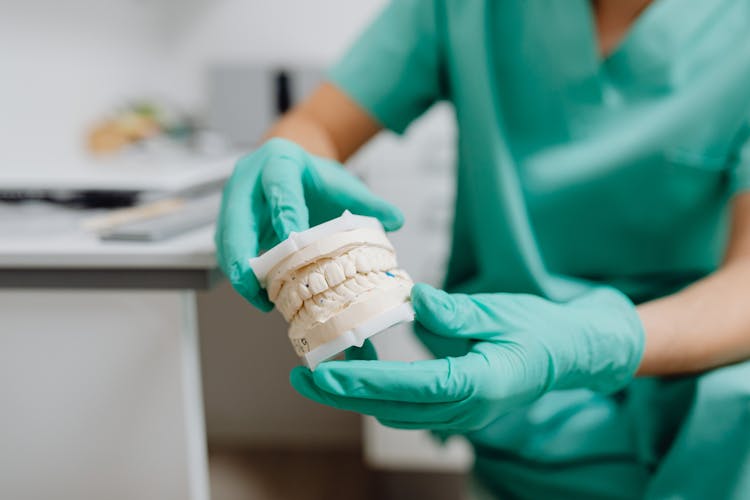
(388, 261)
(334, 273)
(303, 289)
(348, 265)
(364, 265)
(317, 282)
(355, 287)
(329, 297)
(287, 312)
(294, 299)
(283, 307)
(345, 292)
(363, 282)
(376, 277)
(304, 317)
(313, 309)
(314, 293)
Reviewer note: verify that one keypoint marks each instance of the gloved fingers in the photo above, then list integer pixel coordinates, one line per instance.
(268, 237)
(433, 381)
(237, 270)
(366, 352)
(237, 232)
(410, 426)
(461, 422)
(281, 178)
(348, 192)
(456, 315)
(367, 203)
(439, 345)
(427, 415)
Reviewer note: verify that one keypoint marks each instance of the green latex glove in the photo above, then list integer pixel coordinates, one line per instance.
(519, 347)
(279, 189)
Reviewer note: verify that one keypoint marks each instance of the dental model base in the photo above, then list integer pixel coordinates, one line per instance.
(336, 284)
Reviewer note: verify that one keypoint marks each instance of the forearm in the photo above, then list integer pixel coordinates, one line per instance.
(708, 324)
(705, 326)
(327, 124)
(304, 130)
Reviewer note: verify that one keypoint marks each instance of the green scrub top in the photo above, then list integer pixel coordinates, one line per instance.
(572, 168)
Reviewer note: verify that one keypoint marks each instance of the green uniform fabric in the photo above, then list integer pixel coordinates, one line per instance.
(574, 169)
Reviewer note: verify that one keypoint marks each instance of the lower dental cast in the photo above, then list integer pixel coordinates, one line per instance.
(338, 285)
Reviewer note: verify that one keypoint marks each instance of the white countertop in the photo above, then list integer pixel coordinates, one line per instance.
(48, 236)
(39, 236)
(193, 250)
(133, 173)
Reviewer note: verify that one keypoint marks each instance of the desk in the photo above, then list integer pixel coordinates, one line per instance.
(99, 368)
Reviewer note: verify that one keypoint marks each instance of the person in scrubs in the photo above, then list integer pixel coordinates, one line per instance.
(592, 337)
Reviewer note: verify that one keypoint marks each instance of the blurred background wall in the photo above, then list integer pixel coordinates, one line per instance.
(63, 64)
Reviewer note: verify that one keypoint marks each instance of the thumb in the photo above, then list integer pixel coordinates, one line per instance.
(457, 315)
(441, 346)
(440, 312)
(281, 179)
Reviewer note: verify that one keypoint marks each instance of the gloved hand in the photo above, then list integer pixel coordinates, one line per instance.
(519, 347)
(278, 189)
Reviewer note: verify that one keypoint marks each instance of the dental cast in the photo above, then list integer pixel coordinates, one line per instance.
(337, 282)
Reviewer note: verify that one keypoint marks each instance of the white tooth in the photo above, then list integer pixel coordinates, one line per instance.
(295, 301)
(282, 305)
(345, 292)
(390, 261)
(376, 277)
(348, 264)
(317, 282)
(303, 317)
(383, 261)
(373, 257)
(363, 263)
(274, 289)
(313, 309)
(334, 273)
(304, 290)
(363, 282)
(354, 286)
(330, 298)
(287, 312)
(374, 261)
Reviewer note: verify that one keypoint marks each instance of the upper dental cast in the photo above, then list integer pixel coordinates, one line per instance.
(336, 284)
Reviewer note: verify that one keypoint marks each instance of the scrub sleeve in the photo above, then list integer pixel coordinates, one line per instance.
(393, 70)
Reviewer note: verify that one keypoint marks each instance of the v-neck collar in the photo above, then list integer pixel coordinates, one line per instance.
(655, 39)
